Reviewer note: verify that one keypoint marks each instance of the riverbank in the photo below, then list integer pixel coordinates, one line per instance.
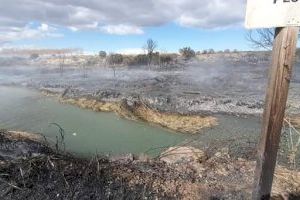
(138, 110)
(178, 173)
(232, 83)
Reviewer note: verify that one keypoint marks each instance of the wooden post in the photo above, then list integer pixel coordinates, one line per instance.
(283, 55)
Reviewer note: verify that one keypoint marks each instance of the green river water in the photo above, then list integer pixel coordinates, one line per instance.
(88, 132)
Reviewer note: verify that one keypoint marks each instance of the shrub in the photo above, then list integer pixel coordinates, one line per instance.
(34, 56)
(115, 59)
(211, 51)
(187, 53)
(102, 54)
(141, 59)
(165, 59)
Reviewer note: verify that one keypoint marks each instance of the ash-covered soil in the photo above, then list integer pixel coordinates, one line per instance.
(178, 173)
(216, 83)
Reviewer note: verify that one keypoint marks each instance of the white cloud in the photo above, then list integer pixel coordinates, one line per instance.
(72, 28)
(118, 16)
(122, 29)
(214, 14)
(27, 32)
(131, 51)
(43, 27)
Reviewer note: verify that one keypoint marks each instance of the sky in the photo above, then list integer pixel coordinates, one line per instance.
(123, 25)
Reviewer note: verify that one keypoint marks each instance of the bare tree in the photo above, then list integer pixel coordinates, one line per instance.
(61, 64)
(115, 59)
(150, 46)
(84, 67)
(261, 38)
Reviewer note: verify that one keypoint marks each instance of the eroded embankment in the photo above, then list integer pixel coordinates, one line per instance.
(137, 110)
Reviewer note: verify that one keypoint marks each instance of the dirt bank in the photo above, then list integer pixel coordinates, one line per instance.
(179, 173)
(135, 109)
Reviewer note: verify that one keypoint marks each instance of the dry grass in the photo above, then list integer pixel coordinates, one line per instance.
(189, 174)
(19, 135)
(94, 105)
(296, 121)
(286, 181)
(223, 171)
(49, 93)
(177, 122)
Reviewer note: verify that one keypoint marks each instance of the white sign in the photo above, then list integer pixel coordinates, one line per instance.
(272, 13)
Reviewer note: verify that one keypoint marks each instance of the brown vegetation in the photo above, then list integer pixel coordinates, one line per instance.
(296, 121)
(20, 135)
(222, 172)
(139, 111)
(182, 123)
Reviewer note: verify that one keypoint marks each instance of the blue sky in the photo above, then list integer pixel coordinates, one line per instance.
(170, 38)
(123, 25)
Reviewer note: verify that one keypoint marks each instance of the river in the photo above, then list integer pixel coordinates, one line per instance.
(88, 132)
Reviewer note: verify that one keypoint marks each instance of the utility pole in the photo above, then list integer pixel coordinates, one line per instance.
(285, 16)
(283, 56)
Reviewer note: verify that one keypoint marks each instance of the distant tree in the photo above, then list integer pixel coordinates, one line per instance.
(211, 51)
(34, 56)
(227, 51)
(235, 51)
(61, 64)
(150, 46)
(102, 54)
(155, 58)
(204, 52)
(85, 70)
(91, 61)
(187, 53)
(115, 59)
(165, 59)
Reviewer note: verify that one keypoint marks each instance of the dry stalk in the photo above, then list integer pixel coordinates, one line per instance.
(292, 145)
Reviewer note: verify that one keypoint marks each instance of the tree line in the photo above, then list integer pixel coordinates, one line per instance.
(153, 57)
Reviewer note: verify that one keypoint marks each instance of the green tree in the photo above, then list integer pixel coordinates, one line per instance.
(102, 54)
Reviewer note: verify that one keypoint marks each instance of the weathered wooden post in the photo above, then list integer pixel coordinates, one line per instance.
(285, 15)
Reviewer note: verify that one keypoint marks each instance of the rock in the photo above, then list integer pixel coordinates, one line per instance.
(176, 155)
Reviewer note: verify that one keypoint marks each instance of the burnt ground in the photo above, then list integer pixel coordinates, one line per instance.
(39, 172)
(231, 84)
(213, 86)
